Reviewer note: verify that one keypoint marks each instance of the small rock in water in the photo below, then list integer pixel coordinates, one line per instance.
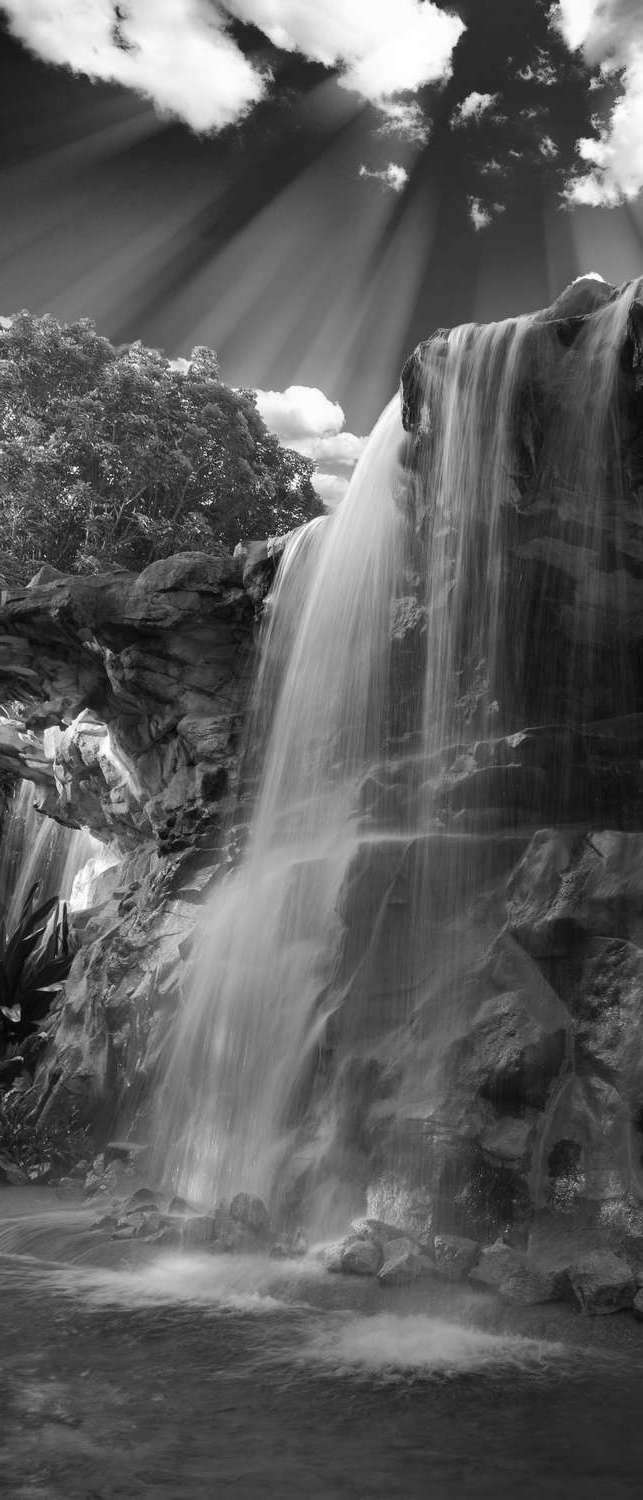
(496, 1264)
(361, 1258)
(455, 1256)
(602, 1283)
(529, 1287)
(251, 1212)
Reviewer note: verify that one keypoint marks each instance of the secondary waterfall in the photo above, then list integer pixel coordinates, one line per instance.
(391, 640)
(35, 849)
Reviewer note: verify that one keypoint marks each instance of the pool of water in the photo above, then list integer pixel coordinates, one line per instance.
(192, 1376)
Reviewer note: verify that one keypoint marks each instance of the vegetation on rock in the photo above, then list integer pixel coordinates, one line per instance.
(34, 961)
(113, 457)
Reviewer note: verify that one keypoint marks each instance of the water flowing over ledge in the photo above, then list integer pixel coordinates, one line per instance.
(380, 950)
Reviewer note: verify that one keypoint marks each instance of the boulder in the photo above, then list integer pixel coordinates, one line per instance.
(403, 1263)
(251, 1212)
(360, 1258)
(455, 1256)
(496, 1265)
(11, 1175)
(528, 1286)
(602, 1283)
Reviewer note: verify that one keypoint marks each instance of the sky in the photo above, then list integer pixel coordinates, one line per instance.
(311, 188)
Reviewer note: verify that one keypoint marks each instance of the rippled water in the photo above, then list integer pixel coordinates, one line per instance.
(190, 1376)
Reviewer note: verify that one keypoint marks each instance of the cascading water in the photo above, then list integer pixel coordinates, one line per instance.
(395, 650)
(36, 850)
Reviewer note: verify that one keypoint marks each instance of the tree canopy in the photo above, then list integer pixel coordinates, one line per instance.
(115, 457)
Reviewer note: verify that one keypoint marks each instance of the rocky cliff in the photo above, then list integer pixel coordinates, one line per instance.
(125, 697)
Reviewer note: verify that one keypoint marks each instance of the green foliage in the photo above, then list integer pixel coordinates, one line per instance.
(113, 457)
(49, 1146)
(34, 961)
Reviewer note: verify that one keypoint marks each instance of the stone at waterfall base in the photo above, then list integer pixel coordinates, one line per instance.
(11, 1175)
(455, 1256)
(602, 1283)
(403, 1264)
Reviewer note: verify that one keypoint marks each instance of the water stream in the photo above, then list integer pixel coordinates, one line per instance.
(418, 539)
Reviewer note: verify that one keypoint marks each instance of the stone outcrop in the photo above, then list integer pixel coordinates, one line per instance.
(133, 689)
(128, 695)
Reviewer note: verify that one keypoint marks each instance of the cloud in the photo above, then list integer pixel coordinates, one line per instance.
(393, 176)
(548, 148)
(299, 411)
(541, 71)
(610, 37)
(382, 47)
(174, 52)
(482, 214)
(303, 418)
(331, 488)
(407, 120)
(473, 108)
(181, 56)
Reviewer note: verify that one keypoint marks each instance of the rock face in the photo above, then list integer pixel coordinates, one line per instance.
(139, 684)
(133, 692)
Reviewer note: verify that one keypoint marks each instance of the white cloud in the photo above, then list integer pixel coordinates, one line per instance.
(331, 488)
(473, 108)
(303, 418)
(482, 214)
(609, 33)
(548, 148)
(541, 71)
(382, 47)
(407, 120)
(393, 176)
(178, 53)
(300, 411)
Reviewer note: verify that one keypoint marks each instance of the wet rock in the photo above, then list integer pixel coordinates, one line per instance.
(637, 1306)
(602, 1283)
(130, 1153)
(251, 1212)
(143, 1197)
(455, 1256)
(528, 1286)
(200, 1229)
(361, 1258)
(497, 1264)
(508, 1141)
(11, 1175)
(403, 1263)
(290, 1247)
(178, 1205)
(378, 1231)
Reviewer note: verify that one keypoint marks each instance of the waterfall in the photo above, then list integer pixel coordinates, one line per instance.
(34, 848)
(393, 647)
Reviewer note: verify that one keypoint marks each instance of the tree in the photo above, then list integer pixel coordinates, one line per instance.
(114, 457)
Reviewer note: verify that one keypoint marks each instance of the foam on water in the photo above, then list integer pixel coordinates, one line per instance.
(248, 1284)
(389, 1345)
